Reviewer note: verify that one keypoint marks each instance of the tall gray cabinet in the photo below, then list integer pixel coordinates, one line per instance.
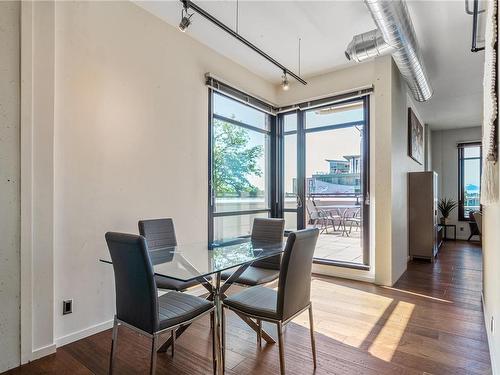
(425, 235)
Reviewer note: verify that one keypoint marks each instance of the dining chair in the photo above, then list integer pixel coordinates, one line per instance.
(478, 218)
(160, 233)
(293, 294)
(265, 231)
(137, 303)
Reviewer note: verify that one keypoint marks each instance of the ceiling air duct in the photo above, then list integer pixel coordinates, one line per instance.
(395, 35)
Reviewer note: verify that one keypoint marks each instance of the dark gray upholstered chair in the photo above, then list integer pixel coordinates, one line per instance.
(137, 303)
(264, 231)
(160, 233)
(292, 296)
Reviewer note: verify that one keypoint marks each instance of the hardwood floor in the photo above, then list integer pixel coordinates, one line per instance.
(430, 322)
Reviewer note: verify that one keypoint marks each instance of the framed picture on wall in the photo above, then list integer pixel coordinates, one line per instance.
(415, 138)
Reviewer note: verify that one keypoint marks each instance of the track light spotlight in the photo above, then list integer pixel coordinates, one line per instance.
(285, 85)
(185, 20)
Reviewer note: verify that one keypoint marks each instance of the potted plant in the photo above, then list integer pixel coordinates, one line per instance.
(445, 206)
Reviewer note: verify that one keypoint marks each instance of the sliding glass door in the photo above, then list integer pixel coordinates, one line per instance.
(325, 171)
(240, 168)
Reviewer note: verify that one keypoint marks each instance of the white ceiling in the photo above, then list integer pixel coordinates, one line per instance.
(326, 27)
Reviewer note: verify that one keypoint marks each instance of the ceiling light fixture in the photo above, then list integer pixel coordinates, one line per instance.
(188, 4)
(185, 19)
(285, 85)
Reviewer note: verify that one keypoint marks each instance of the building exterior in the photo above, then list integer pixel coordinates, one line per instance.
(343, 178)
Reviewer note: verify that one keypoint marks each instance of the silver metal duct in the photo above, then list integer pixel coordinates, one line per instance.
(367, 45)
(396, 31)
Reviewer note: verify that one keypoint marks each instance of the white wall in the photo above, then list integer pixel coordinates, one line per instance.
(401, 165)
(10, 170)
(445, 163)
(130, 141)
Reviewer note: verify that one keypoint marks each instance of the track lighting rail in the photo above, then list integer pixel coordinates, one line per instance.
(189, 4)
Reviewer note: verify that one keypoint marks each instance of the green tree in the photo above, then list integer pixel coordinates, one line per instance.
(233, 160)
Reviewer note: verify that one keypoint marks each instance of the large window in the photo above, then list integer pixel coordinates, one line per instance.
(239, 169)
(469, 179)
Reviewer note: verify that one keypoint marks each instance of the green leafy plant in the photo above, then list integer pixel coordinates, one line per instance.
(235, 161)
(446, 206)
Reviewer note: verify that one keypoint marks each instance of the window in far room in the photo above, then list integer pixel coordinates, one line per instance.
(469, 179)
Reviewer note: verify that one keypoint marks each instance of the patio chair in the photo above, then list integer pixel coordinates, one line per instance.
(352, 219)
(319, 217)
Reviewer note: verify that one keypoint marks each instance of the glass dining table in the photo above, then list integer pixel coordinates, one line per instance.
(205, 264)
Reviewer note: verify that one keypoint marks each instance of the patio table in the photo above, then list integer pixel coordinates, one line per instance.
(345, 209)
(198, 262)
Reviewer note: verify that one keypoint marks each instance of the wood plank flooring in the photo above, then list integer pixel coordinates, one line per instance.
(430, 322)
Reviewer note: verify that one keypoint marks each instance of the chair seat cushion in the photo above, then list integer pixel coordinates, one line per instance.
(163, 282)
(253, 276)
(257, 300)
(176, 307)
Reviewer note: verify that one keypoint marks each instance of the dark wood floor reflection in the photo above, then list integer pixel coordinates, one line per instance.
(430, 322)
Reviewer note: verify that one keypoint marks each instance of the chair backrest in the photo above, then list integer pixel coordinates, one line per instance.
(312, 210)
(158, 232)
(136, 293)
(478, 218)
(268, 231)
(294, 288)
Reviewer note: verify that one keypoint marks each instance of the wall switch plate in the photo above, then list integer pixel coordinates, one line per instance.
(67, 306)
(461, 229)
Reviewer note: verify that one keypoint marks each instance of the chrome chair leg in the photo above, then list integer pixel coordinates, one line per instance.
(214, 349)
(223, 336)
(114, 342)
(259, 334)
(281, 348)
(313, 341)
(153, 354)
(173, 334)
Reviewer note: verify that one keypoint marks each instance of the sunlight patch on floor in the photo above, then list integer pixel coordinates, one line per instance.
(389, 336)
(351, 318)
(358, 318)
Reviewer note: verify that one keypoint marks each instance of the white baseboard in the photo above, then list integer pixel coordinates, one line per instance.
(491, 346)
(43, 351)
(78, 335)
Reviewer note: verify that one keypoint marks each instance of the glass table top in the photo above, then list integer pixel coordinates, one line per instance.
(189, 262)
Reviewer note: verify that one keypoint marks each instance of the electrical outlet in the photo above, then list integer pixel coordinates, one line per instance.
(67, 306)
(461, 229)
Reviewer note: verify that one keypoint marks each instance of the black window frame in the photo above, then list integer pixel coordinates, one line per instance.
(301, 131)
(461, 183)
(212, 214)
(276, 177)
